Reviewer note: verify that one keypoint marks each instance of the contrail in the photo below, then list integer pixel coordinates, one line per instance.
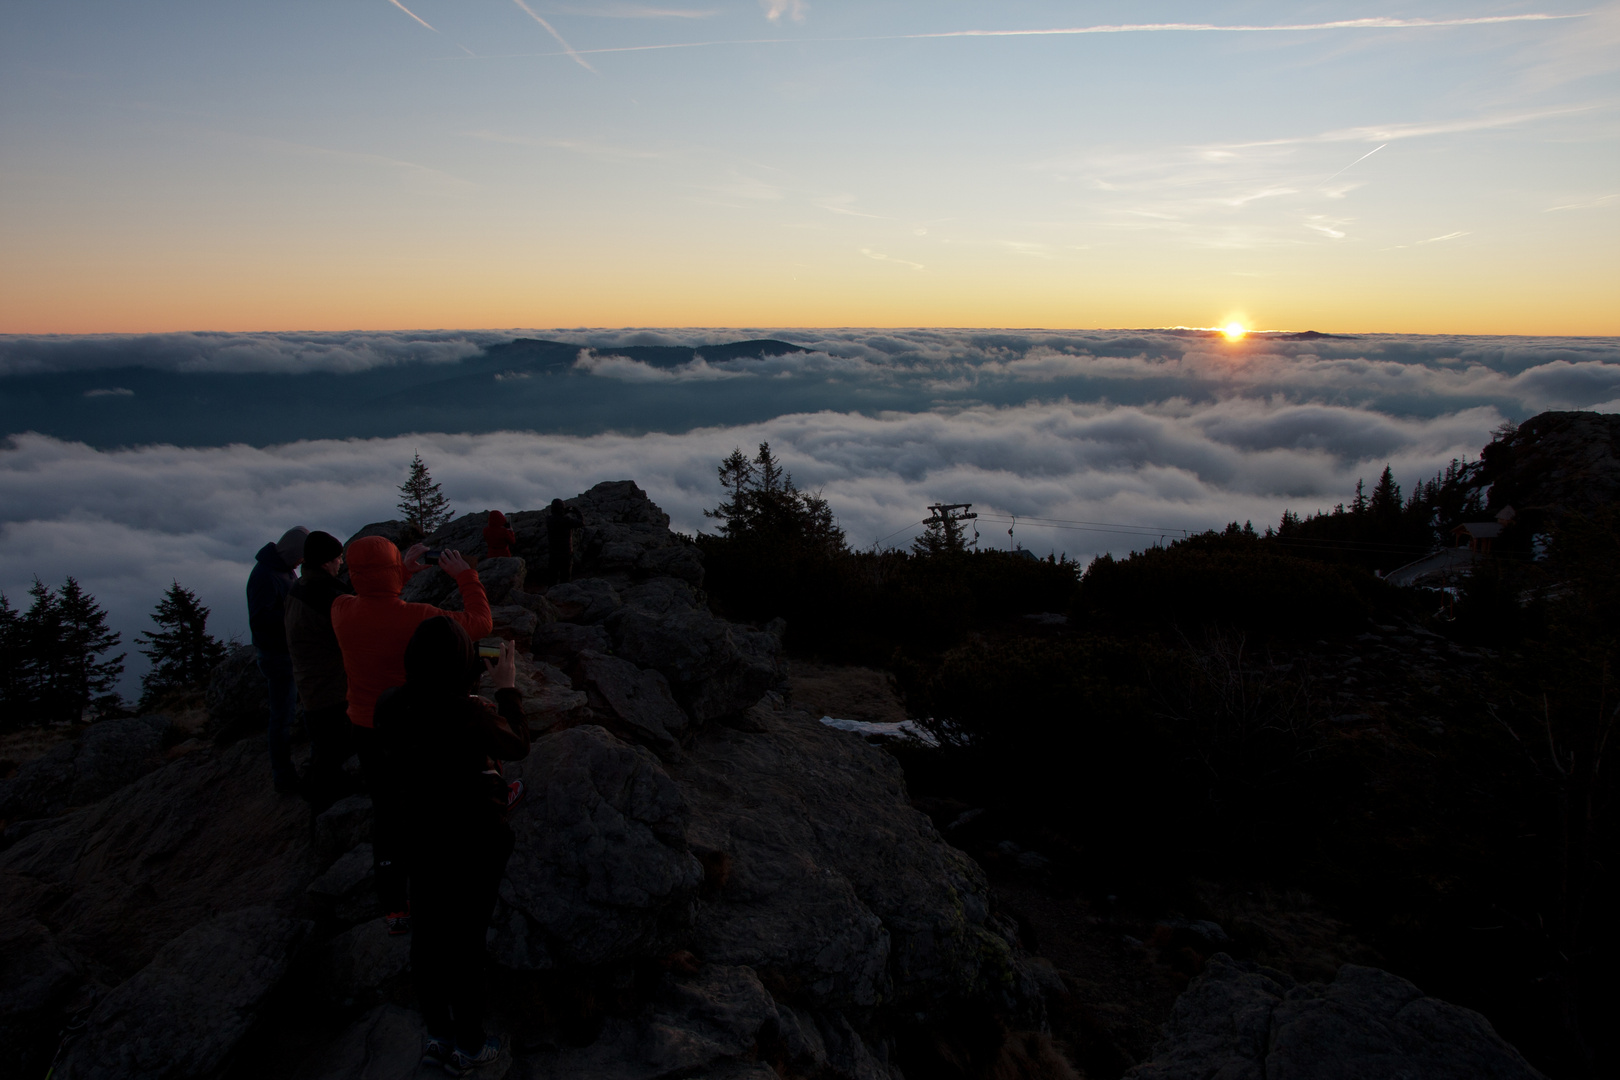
(1067, 31)
(411, 13)
(567, 48)
(1358, 160)
(1341, 24)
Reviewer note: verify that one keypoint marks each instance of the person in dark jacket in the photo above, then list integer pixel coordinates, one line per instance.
(267, 588)
(442, 746)
(498, 536)
(561, 523)
(317, 665)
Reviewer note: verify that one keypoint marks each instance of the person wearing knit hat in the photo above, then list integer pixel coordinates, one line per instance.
(317, 664)
(267, 588)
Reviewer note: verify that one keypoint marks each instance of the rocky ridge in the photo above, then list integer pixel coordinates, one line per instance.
(706, 881)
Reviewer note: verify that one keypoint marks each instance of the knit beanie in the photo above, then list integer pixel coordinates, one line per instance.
(321, 548)
(291, 545)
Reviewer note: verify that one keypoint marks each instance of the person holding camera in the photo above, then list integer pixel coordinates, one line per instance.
(498, 536)
(373, 628)
(444, 745)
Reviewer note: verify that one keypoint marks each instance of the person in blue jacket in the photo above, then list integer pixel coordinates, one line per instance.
(267, 587)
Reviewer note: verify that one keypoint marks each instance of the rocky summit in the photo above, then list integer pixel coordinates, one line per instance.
(707, 882)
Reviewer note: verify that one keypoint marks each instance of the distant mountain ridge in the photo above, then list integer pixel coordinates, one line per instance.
(538, 352)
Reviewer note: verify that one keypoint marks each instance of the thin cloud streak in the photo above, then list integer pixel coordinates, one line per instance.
(412, 14)
(568, 49)
(1354, 163)
(1071, 31)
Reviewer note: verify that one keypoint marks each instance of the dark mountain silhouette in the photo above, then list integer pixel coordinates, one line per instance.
(539, 353)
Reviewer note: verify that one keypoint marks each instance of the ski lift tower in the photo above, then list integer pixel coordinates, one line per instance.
(949, 514)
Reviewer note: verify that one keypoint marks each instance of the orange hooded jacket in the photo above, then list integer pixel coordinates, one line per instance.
(374, 626)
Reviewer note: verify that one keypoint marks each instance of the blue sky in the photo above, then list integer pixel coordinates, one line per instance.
(186, 165)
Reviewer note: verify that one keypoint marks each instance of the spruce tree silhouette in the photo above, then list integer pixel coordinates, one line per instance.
(182, 650)
(424, 505)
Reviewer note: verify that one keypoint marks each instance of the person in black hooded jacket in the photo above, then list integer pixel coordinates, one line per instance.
(317, 664)
(441, 750)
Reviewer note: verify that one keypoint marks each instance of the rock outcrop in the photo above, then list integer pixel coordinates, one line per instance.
(108, 755)
(1245, 1022)
(713, 883)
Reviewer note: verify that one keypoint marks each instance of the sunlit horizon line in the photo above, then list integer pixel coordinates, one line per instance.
(1378, 23)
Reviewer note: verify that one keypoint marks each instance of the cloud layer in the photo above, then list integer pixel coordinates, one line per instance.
(1160, 431)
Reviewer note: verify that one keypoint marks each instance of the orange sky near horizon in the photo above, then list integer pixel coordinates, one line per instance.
(184, 166)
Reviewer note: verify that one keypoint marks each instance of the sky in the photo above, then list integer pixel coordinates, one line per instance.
(341, 165)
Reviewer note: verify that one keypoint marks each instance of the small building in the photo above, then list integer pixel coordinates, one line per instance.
(1477, 535)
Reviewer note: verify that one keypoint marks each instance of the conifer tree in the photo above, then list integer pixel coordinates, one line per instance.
(40, 653)
(12, 698)
(181, 649)
(84, 637)
(943, 535)
(424, 505)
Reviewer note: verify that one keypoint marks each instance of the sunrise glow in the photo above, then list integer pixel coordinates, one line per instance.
(1234, 331)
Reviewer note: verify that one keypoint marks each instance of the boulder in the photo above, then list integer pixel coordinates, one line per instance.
(1248, 1022)
(662, 595)
(587, 600)
(343, 825)
(352, 968)
(827, 881)
(399, 533)
(108, 755)
(709, 1025)
(564, 640)
(182, 1014)
(238, 697)
(715, 668)
(513, 623)
(600, 871)
(499, 577)
(638, 699)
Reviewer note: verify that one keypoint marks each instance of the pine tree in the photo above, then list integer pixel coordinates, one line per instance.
(424, 505)
(1385, 503)
(181, 649)
(41, 655)
(737, 479)
(12, 667)
(85, 636)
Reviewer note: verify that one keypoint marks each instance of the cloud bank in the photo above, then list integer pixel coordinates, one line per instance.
(127, 522)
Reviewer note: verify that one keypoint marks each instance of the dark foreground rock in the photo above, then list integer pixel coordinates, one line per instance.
(108, 755)
(183, 1013)
(1241, 1021)
(706, 882)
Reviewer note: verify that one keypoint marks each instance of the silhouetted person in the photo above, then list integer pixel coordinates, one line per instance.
(498, 536)
(317, 664)
(561, 524)
(267, 588)
(373, 628)
(442, 747)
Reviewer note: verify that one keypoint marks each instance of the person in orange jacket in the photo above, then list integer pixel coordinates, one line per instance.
(498, 536)
(373, 627)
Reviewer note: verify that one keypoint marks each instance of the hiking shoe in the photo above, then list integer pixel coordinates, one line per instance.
(514, 793)
(462, 1063)
(399, 922)
(438, 1051)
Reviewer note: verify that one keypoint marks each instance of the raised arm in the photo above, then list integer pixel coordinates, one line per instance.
(474, 616)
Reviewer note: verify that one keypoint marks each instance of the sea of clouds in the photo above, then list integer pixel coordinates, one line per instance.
(1161, 431)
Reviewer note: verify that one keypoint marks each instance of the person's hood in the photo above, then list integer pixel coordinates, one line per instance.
(497, 518)
(375, 567)
(440, 661)
(272, 560)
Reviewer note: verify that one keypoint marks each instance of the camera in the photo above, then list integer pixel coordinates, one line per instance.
(431, 558)
(489, 652)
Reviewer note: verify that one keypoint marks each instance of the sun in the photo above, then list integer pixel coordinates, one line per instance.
(1234, 331)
